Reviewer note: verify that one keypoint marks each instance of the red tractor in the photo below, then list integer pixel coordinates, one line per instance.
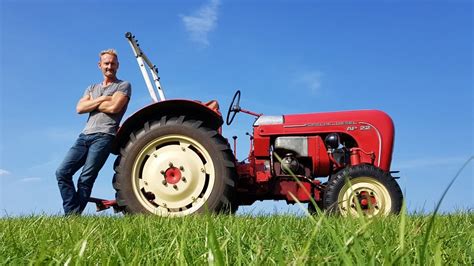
(173, 160)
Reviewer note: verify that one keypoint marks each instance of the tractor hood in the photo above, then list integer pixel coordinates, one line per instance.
(374, 117)
(372, 130)
(329, 119)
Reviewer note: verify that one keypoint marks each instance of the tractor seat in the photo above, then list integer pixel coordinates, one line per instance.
(268, 120)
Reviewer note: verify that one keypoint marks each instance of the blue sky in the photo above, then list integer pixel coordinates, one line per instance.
(411, 59)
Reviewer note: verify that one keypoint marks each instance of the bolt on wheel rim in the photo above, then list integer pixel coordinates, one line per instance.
(366, 195)
(173, 175)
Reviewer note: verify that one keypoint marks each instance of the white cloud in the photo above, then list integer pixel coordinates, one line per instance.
(30, 179)
(4, 172)
(203, 21)
(310, 80)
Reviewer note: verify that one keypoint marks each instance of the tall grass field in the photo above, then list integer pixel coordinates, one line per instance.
(238, 240)
(435, 239)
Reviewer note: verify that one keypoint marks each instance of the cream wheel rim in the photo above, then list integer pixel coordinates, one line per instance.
(366, 195)
(173, 175)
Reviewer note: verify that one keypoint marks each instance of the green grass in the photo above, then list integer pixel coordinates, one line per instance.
(435, 239)
(237, 240)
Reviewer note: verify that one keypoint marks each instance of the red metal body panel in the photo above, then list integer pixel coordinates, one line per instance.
(372, 130)
(262, 170)
(261, 146)
(319, 154)
(287, 188)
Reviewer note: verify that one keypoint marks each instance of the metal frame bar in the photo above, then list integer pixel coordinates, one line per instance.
(142, 59)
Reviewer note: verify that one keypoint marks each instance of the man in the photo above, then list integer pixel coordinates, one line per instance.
(106, 103)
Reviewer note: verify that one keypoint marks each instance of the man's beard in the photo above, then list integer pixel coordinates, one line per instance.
(110, 74)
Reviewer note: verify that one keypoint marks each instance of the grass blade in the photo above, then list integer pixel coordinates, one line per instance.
(215, 253)
(431, 222)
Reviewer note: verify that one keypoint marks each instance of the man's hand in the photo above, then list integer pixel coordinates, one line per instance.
(115, 104)
(86, 104)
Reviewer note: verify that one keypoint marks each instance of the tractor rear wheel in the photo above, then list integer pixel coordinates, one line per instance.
(175, 167)
(363, 189)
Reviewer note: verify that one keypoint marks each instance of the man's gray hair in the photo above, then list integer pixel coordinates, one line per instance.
(110, 52)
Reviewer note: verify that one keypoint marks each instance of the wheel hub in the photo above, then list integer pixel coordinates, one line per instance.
(172, 175)
(366, 200)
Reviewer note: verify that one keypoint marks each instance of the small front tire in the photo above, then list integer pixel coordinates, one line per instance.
(363, 189)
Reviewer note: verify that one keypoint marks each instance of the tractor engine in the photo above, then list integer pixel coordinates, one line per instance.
(291, 151)
(290, 164)
(301, 156)
(309, 155)
(338, 150)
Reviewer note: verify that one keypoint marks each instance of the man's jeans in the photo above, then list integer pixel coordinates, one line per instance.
(90, 151)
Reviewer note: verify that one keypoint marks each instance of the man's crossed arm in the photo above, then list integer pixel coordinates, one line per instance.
(106, 104)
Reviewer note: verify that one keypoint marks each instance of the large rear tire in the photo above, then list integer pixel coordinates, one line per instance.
(175, 167)
(363, 189)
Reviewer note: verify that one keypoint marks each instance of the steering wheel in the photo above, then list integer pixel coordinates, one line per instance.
(234, 108)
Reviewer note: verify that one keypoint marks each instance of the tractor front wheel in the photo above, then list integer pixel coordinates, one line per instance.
(175, 167)
(363, 189)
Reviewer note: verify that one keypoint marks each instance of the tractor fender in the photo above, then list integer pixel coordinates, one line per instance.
(177, 107)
